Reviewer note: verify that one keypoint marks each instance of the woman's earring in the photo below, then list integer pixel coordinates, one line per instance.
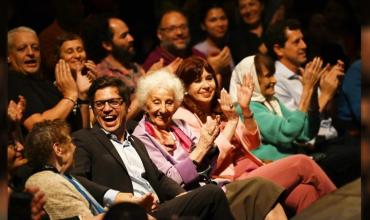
(186, 93)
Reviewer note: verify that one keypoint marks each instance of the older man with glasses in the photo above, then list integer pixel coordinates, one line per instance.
(174, 36)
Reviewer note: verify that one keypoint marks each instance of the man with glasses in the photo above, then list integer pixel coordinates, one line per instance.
(114, 166)
(174, 36)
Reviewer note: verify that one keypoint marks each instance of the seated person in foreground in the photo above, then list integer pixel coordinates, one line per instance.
(115, 166)
(178, 154)
(239, 137)
(50, 152)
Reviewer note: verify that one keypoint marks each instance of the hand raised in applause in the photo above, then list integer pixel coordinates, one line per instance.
(64, 80)
(330, 80)
(312, 73)
(15, 110)
(245, 92)
(227, 106)
(220, 60)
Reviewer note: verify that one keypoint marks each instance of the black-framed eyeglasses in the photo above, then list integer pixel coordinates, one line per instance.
(171, 29)
(114, 103)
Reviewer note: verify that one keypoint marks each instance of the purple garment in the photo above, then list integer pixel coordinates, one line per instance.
(160, 52)
(178, 166)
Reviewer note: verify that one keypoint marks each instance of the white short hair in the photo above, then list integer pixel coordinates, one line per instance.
(16, 30)
(156, 80)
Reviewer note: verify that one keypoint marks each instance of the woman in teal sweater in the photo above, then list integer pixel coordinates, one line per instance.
(283, 131)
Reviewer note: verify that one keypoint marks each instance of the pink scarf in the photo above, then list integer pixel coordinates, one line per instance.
(185, 142)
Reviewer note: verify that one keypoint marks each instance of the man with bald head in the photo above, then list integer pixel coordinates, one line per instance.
(23, 50)
(174, 36)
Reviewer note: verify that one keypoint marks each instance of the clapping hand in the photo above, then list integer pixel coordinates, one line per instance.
(37, 203)
(312, 72)
(329, 81)
(172, 67)
(245, 92)
(64, 80)
(227, 106)
(220, 60)
(15, 110)
(209, 132)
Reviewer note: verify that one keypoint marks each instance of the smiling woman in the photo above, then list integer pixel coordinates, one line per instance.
(181, 156)
(70, 48)
(45, 100)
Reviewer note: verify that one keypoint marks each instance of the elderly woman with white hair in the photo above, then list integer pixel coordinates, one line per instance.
(179, 154)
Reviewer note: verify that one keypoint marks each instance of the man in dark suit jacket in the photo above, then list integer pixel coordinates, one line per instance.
(115, 166)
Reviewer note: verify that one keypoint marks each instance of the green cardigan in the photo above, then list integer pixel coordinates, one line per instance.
(280, 134)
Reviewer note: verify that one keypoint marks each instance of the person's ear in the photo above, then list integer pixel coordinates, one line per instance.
(159, 35)
(279, 51)
(58, 149)
(203, 27)
(107, 46)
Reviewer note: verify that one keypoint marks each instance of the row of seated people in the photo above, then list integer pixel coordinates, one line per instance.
(240, 154)
(50, 151)
(114, 59)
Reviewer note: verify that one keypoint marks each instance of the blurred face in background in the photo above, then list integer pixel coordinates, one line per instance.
(173, 32)
(215, 23)
(24, 52)
(294, 51)
(251, 11)
(73, 52)
(122, 44)
(15, 155)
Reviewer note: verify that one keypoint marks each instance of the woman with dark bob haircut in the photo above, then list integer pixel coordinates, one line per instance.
(302, 178)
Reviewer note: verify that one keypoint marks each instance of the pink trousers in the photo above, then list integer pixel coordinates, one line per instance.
(303, 180)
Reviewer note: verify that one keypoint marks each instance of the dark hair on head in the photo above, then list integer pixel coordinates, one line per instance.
(108, 81)
(191, 69)
(63, 38)
(264, 60)
(206, 6)
(40, 140)
(95, 31)
(276, 34)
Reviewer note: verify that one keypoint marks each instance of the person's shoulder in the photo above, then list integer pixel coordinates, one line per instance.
(43, 178)
(202, 46)
(152, 57)
(155, 52)
(83, 133)
(136, 142)
(196, 52)
(179, 122)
